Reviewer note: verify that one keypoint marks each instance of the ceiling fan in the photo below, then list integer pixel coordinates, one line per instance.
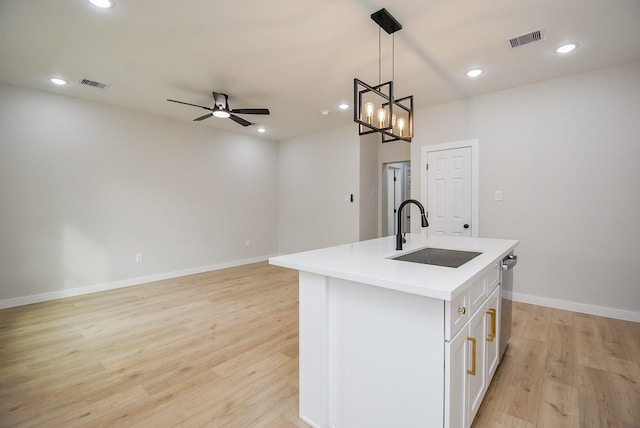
(221, 109)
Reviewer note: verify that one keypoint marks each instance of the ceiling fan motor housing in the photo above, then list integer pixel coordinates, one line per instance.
(220, 100)
(221, 106)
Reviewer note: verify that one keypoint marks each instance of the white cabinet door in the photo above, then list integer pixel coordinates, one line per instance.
(465, 374)
(476, 363)
(455, 381)
(492, 339)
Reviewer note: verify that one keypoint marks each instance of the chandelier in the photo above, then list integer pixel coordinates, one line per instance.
(376, 108)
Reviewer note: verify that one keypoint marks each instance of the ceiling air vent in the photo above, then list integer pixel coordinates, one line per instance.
(525, 39)
(93, 83)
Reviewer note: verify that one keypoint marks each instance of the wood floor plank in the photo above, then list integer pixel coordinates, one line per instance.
(589, 343)
(559, 406)
(597, 398)
(538, 323)
(525, 388)
(626, 383)
(561, 363)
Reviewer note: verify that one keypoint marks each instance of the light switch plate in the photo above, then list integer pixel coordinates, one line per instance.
(498, 196)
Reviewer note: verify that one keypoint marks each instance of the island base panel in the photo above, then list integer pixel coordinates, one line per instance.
(369, 356)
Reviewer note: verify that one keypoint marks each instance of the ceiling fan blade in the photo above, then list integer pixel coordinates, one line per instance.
(206, 116)
(251, 111)
(239, 120)
(189, 104)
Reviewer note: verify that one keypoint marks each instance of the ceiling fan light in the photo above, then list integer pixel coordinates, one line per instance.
(221, 113)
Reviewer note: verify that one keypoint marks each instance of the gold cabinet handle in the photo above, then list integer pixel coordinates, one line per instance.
(492, 333)
(472, 372)
(462, 310)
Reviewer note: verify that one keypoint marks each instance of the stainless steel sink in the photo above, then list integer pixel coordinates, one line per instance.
(438, 257)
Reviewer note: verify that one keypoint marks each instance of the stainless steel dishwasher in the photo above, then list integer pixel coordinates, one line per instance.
(506, 279)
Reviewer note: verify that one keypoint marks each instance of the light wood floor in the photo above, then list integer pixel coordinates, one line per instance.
(565, 369)
(220, 349)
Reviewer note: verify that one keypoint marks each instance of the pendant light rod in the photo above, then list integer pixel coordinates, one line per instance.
(393, 56)
(379, 57)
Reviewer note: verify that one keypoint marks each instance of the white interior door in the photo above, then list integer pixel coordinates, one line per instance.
(397, 195)
(397, 187)
(392, 197)
(449, 185)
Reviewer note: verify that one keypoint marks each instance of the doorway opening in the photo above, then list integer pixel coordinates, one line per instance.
(396, 187)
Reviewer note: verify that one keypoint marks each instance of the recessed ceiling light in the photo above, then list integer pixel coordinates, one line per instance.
(474, 73)
(102, 3)
(343, 106)
(324, 112)
(57, 81)
(566, 48)
(262, 130)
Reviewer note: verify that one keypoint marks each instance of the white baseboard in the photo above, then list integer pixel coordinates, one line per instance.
(59, 294)
(567, 305)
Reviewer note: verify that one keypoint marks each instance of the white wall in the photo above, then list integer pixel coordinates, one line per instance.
(396, 151)
(315, 173)
(368, 168)
(85, 186)
(566, 155)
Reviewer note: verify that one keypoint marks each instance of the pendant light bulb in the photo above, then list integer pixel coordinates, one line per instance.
(382, 117)
(401, 127)
(368, 108)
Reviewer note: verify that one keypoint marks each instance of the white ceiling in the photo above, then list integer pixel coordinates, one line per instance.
(298, 57)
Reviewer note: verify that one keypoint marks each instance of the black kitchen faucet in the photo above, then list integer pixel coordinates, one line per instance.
(425, 223)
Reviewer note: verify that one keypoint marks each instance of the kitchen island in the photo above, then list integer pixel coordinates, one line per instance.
(386, 343)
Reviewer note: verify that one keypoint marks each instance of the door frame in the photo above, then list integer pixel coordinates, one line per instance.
(389, 221)
(475, 175)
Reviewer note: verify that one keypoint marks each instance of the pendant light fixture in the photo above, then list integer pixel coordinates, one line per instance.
(376, 108)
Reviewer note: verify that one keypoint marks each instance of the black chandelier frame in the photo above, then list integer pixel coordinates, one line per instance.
(392, 110)
(385, 92)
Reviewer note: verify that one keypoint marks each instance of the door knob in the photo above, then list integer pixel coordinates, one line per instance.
(466, 226)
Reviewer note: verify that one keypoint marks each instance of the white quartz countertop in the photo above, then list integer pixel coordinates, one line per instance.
(369, 262)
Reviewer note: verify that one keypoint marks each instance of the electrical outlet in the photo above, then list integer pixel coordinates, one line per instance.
(247, 243)
(498, 196)
(138, 257)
